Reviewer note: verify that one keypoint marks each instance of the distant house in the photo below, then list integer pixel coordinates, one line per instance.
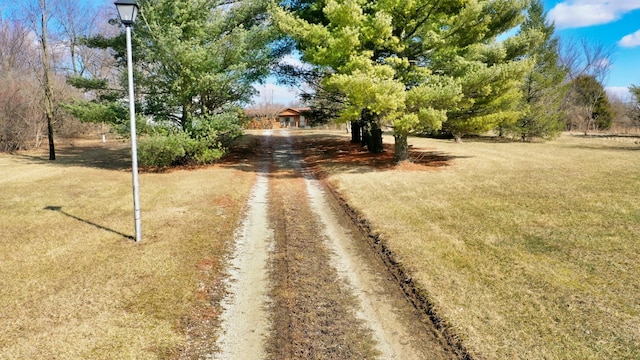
(260, 120)
(287, 118)
(293, 117)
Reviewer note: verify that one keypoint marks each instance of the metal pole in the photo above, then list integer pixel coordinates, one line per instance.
(134, 146)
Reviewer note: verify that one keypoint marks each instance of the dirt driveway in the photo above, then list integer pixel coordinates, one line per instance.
(303, 282)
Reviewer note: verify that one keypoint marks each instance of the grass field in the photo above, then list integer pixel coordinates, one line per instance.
(73, 283)
(529, 251)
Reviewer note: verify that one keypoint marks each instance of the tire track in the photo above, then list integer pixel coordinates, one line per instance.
(314, 310)
(245, 319)
(303, 284)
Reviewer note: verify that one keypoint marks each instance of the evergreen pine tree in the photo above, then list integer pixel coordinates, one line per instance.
(416, 65)
(589, 95)
(544, 86)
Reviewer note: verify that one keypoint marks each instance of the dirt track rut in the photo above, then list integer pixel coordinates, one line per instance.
(303, 283)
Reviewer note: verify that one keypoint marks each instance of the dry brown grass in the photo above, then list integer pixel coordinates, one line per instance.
(529, 251)
(75, 286)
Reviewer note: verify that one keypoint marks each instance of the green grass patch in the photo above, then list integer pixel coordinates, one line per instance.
(529, 251)
(74, 284)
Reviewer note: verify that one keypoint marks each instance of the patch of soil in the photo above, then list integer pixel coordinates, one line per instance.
(400, 331)
(245, 320)
(332, 298)
(205, 317)
(312, 310)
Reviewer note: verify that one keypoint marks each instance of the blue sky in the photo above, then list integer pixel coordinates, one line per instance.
(610, 22)
(10, 5)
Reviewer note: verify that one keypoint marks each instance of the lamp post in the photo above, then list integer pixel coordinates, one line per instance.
(128, 10)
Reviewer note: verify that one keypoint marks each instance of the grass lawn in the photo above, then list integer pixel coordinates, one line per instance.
(74, 284)
(529, 251)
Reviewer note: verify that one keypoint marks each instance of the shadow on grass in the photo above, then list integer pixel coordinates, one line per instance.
(338, 154)
(614, 142)
(607, 136)
(326, 153)
(495, 140)
(621, 147)
(109, 157)
(59, 209)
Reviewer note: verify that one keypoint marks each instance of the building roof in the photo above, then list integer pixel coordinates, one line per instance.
(293, 111)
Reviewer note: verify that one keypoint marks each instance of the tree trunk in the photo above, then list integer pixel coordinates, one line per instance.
(72, 50)
(356, 137)
(375, 139)
(371, 132)
(401, 148)
(48, 92)
(186, 119)
(364, 129)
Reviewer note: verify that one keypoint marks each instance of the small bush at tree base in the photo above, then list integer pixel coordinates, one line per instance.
(162, 150)
(176, 149)
(208, 156)
(203, 143)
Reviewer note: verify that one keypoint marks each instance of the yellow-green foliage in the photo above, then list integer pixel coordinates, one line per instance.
(415, 68)
(381, 94)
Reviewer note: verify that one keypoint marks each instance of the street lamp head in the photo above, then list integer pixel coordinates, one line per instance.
(127, 10)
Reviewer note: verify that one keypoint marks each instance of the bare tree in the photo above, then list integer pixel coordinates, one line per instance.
(43, 11)
(19, 115)
(264, 113)
(585, 60)
(34, 58)
(76, 20)
(624, 121)
(20, 120)
(633, 106)
(15, 48)
(40, 15)
(582, 57)
(99, 63)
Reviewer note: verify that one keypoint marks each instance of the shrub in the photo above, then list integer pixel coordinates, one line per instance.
(162, 150)
(218, 129)
(203, 143)
(178, 148)
(208, 156)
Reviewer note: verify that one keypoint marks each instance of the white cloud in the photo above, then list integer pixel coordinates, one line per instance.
(573, 16)
(581, 13)
(620, 92)
(631, 40)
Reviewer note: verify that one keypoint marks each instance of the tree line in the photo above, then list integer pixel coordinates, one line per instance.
(414, 67)
(39, 47)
